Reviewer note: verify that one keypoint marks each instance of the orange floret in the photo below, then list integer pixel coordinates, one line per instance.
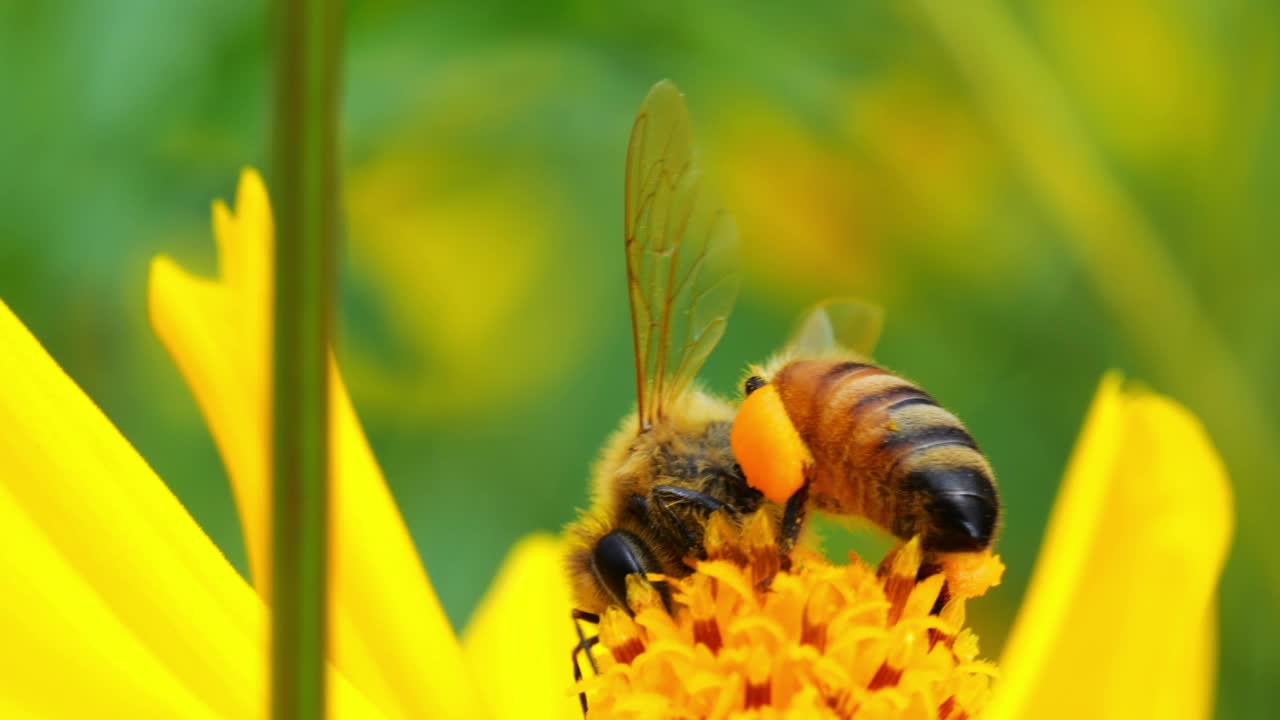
(767, 446)
(970, 575)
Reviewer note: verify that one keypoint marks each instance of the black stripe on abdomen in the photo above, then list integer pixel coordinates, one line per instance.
(929, 437)
(839, 370)
(837, 374)
(892, 399)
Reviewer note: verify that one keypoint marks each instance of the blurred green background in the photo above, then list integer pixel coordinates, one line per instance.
(1035, 191)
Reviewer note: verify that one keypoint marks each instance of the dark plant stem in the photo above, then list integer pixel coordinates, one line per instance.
(305, 188)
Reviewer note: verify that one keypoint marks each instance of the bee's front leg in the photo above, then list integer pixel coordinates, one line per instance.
(584, 646)
(682, 512)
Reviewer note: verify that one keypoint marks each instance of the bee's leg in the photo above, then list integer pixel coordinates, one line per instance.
(792, 522)
(584, 648)
(674, 505)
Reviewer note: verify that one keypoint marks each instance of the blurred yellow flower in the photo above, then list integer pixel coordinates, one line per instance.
(116, 603)
(478, 256)
(1170, 72)
(903, 180)
(789, 191)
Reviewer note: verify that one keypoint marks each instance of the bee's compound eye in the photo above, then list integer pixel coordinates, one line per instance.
(616, 555)
(753, 383)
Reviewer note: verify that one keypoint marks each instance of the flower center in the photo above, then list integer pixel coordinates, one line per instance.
(815, 640)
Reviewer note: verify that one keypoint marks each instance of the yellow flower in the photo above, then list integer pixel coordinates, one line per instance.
(115, 603)
(813, 640)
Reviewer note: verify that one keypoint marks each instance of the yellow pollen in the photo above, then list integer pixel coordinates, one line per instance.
(744, 637)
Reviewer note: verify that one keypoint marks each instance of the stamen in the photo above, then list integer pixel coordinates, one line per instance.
(642, 593)
(701, 602)
(902, 578)
(886, 676)
(759, 688)
(719, 539)
(821, 607)
(761, 543)
(619, 633)
(952, 617)
(922, 596)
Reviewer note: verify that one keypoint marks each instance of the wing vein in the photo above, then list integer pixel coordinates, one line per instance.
(680, 250)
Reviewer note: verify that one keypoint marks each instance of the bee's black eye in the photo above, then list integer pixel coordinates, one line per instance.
(619, 553)
(753, 383)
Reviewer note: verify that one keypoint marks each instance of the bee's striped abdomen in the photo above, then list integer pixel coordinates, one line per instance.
(884, 449)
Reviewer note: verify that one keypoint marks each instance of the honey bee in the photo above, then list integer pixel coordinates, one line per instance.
(820, 425)
(670, 465)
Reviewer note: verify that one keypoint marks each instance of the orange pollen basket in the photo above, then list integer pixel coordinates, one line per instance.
(747, 638)
(767, 445)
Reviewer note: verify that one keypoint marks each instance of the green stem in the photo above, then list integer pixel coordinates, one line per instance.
(305, 188)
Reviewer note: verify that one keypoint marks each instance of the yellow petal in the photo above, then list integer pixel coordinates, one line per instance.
(1119, 620)
(388, 632)
(115, 603)
(56, 628)
(521, 635)
(108, 516)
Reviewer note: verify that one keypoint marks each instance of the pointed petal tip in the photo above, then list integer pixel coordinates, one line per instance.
(251, 187)
(521, 635)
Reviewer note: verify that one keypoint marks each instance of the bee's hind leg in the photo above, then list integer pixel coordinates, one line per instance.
(584, 648)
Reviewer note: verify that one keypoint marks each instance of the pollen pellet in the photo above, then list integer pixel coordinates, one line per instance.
(767, 446)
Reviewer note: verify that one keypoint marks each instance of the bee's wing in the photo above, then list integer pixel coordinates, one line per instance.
(837, 323)
(681, 254)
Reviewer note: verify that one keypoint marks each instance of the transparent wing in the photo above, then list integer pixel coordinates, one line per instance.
(681, 254)
(837, 323)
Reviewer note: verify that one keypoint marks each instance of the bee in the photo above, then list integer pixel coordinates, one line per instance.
(820, 426)
(671, 464)
(864, 441)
